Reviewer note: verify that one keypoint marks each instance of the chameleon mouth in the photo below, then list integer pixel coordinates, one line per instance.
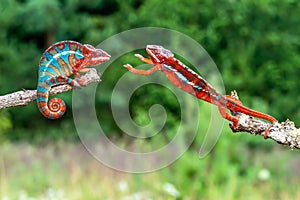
(103, 57)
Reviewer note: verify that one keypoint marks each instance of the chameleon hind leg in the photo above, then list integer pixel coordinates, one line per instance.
(229, 117)
(56, 107)
(236, 107)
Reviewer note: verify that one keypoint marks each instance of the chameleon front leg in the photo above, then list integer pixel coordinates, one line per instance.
(76, 83)
(142, 72)
(235, 106)
(143, 59)
(81, 82)
(85, 70)
(82, 70)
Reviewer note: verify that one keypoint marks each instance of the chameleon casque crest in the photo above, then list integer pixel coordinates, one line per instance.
(57, 64)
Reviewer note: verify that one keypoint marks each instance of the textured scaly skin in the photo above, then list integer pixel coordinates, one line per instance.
(189, 81)
(57, 64)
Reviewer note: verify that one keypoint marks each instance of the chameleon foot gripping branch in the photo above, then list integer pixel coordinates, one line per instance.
(189, 81)
(57, 64)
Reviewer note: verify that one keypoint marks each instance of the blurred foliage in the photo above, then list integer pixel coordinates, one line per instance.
(254, 44)
(68, 171)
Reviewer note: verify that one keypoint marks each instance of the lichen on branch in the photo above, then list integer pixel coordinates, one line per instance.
(284, 133)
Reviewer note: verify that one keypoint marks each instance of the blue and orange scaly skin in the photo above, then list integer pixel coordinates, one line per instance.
(189, 81)
(57, 64)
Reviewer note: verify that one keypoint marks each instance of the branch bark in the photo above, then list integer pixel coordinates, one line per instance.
(284, 133)
(24, 97)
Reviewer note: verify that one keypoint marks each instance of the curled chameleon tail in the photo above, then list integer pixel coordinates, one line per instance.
(55, 108)
(57, 64)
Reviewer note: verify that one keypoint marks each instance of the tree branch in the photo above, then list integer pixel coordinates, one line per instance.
(284, 133)
(22, 98)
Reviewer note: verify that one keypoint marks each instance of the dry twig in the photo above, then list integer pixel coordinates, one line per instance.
(284, 133)
(22, 98)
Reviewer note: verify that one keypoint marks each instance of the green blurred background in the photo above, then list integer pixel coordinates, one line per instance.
(255, 45)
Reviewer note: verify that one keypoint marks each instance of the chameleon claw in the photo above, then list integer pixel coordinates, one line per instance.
(128, 66)
(82, 82)
(139, 56)
(183, 77)
(52, 75)
(234, 123)
(267, 131)
(77, 85)
(143, 59)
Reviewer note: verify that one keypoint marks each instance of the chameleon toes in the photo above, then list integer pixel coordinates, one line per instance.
(57, 64)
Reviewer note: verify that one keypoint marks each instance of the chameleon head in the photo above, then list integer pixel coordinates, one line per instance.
(158, 53)
(94, 56)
